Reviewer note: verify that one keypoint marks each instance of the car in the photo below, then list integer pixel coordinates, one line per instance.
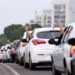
(2, 53)
(63, 56)
(21, 48)
(16, 43)
(38, 51)
(20, 51)
(6, 53)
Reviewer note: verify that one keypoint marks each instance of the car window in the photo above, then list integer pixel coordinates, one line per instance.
(48, 34)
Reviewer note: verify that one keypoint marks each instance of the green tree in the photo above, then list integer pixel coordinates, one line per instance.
(3, 40)
(33, 26)
(14, 31)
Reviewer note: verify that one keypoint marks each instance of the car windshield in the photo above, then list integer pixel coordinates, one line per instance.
(48, 34)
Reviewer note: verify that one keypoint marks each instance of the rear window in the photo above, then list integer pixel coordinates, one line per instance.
(48, 34)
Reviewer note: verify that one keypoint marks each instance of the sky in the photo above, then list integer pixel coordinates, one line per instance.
(20, 11)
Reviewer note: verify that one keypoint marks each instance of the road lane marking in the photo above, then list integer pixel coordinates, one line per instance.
(11, 69)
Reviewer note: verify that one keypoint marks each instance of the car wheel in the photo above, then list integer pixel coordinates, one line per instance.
(25, 64)
(21, 62)
(17, 61)
(31, 65)
(67, 72)
(55, 72)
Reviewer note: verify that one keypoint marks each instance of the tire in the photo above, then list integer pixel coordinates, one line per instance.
(31, 65)
(72, 67)
(21, 62)
(16, 61)
(55, 72)
(67, 72)
(25, 64)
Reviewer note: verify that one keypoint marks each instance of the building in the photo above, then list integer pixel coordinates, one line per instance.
(61, 11)
(47, 18)
(38, 19)
(72, 10)
(32, 21)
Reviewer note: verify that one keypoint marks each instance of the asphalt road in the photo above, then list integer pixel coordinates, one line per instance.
(4, 70)
(15, 69)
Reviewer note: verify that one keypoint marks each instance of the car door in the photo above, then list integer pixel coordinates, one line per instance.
(64, 48)
(58, 55)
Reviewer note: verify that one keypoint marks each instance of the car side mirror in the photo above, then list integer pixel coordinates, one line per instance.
(51, 41)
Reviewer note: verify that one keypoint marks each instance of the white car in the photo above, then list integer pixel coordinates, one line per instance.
(20, 51)
(6, 53)
(2, 53)
(21, 48)
(38, 51)
(63, 56)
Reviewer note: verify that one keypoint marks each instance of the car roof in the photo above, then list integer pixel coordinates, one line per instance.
(46, 29)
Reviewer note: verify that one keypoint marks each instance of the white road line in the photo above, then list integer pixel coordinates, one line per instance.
(11, 69)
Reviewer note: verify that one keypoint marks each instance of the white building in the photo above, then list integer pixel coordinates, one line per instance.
(38, 19)
(72, 10)
(61, 11)
(47, 18)
(32, 21)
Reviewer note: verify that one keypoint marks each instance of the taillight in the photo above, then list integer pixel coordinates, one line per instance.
(36, 42)
(23, 44)
(72, 50)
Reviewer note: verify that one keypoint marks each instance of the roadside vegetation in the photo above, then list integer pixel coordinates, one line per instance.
(14, 32)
